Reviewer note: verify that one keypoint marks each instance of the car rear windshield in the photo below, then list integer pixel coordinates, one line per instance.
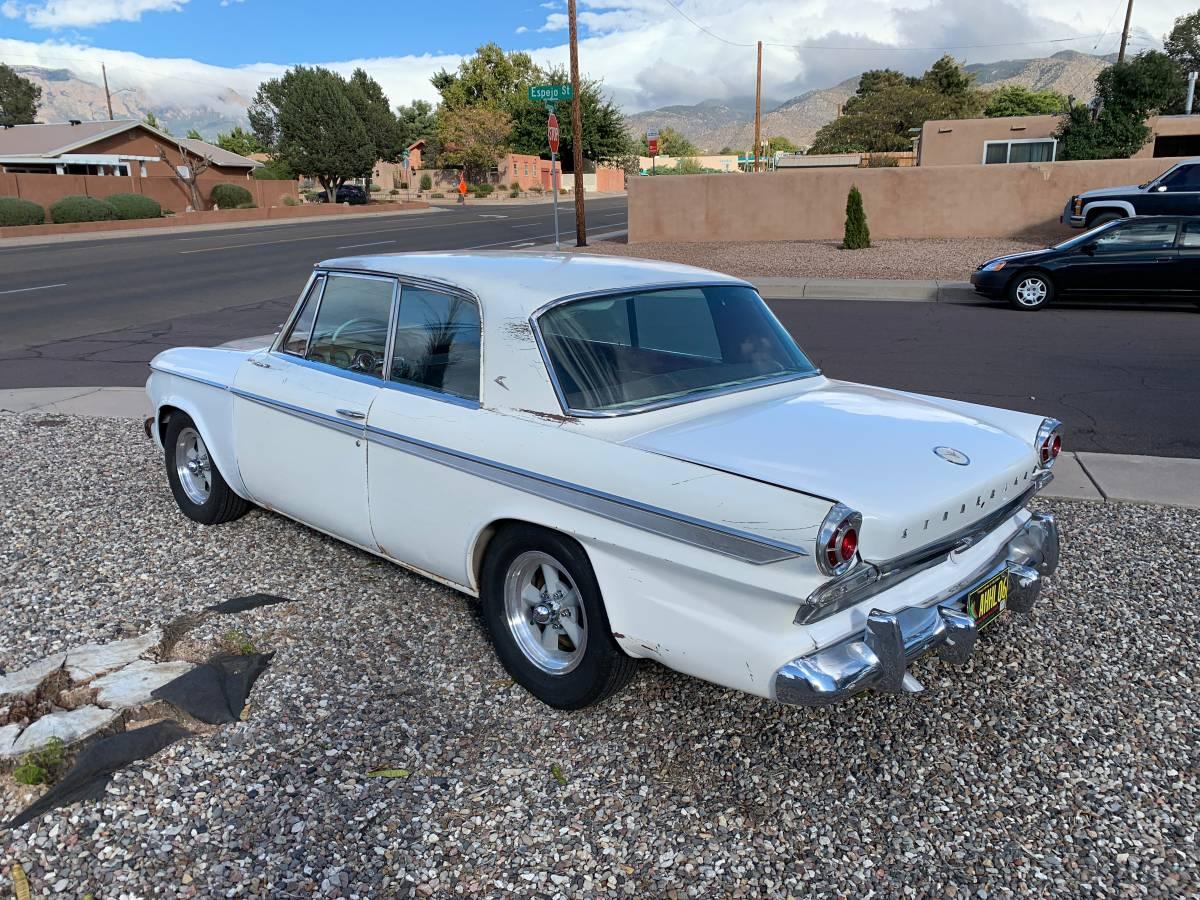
(623, 352)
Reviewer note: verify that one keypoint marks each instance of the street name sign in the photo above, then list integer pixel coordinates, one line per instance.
(550, 93)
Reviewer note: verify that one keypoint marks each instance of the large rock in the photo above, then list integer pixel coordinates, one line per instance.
(131, 686)
(90, 660)
(8, 736)
(22, 684)
(69, 726)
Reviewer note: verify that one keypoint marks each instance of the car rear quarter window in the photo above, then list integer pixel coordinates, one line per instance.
(1137, 236)
(437, 344)
(1190, 238)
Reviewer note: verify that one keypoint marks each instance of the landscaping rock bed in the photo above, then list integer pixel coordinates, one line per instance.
(1062, 761)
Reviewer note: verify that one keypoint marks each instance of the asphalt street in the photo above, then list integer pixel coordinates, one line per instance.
(1123, 378)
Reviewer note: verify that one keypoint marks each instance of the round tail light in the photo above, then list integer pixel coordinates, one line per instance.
(1049, 442)
(837, 541)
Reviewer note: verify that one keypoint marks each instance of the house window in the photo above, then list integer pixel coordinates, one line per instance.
(1020, 151)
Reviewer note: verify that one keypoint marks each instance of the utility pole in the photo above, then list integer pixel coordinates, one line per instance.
(107, 95)
(576, 128)
(758, 106)
(1191, 93)
(1125, 32)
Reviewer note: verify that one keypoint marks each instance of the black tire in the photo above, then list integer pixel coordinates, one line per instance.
(222, 504)
(602, 670)
(1030, 291)
(1103, 218)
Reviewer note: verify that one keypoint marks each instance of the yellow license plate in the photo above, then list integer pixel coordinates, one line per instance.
(986, 602)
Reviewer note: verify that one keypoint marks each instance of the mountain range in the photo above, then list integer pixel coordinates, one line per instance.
(714, 124)
(711, 125)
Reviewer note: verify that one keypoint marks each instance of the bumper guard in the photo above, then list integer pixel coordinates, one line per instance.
(878, 658)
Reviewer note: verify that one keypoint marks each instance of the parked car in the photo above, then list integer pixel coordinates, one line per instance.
(1146, 256)
(347, 193)
(622, 460)
(1174, 192)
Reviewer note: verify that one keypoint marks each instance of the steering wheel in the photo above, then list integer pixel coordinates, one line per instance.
(362, 320)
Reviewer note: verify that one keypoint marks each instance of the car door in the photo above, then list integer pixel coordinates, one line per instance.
(300, 409)
(1176, 194)
(1134, 257)
(1188, 262)
(420, 506)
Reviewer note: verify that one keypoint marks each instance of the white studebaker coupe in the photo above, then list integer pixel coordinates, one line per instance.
(621, 459)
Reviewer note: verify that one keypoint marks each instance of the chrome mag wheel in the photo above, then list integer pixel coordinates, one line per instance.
(1031, 290)
(543, 610)
(193, 466)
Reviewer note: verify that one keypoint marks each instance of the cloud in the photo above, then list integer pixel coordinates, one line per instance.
(522, 29)
(650, 56)
(85, 13)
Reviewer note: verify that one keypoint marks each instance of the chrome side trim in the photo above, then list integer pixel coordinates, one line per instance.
(878, 657)
(676, 526)
(195, 378)
(569, 410)
(307, 415)
(869, 579)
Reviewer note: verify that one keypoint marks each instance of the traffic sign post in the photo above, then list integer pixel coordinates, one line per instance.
(652, 147)
(404, 159)
(552, 136)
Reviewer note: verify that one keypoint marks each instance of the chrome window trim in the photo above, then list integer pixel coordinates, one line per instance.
(569, 410)
(290, 322)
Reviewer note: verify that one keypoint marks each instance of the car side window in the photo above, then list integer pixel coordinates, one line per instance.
(296, 342)
(1137, 236)
(437, 343)
(1190, 237)
(352, 321)
(1185, 178)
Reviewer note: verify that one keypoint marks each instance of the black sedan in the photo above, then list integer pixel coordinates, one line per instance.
(1144, 256)
(347, 193)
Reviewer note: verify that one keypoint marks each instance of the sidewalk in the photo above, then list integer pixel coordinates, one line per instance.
(1104, 477)
(866, 289)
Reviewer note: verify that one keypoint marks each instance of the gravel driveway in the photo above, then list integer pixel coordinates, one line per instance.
(1063, 761)
(920, 259)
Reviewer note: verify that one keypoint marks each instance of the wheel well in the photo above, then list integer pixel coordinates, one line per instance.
(489, 533)
(1094, 214)
(164, 416)
(1031, 270)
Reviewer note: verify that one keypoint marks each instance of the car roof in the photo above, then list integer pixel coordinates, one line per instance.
(514, 284)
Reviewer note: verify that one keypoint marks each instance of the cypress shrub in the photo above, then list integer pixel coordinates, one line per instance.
(858, 236)
(426, 183)
(135, 206)
(231, 196)
(81, 209)
(15, 211)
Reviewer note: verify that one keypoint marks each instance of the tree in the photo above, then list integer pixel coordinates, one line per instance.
(152, 120)
(857, 235)
(883, 117)
(1183, 43)
(194, 165)
(383, 128)
(240, 141)
(474, 137)
(308, 120)
(726, 151)
(19, 98)
(194, 135)
(603, 127)
(490, 77)
(274, 170)
(1015, 100)
(670, 143)
(1126, 94)
(780, 144)
(417, 120)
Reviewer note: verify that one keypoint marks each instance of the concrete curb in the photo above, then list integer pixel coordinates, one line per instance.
(1098, 477)
(909, 291)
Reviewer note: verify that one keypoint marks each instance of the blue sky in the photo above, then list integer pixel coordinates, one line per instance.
(648, 52)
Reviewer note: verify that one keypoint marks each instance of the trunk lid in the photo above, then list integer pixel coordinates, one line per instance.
(870, 448)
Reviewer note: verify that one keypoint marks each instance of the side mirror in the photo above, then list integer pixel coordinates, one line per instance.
(1160, 188)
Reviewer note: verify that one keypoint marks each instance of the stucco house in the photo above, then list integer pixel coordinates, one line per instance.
(121, 147)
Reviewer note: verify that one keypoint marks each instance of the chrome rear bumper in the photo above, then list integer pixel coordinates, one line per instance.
(878, 658)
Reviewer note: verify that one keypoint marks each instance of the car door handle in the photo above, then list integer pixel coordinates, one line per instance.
(351, 413)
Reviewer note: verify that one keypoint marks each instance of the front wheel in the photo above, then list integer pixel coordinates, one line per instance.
(544, 611)
(199, 488)
(1030, 291)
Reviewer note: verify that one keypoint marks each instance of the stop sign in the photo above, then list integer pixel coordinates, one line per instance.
(552, 132)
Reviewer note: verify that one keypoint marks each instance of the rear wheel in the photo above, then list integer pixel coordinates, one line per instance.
(543, 608)
(1030, 291)
(197, 483)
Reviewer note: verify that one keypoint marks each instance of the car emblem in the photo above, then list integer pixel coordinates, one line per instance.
(950, 455)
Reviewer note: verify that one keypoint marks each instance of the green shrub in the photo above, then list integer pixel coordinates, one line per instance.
(289, 200)
(403, 186)
(436, 196)
(42, 765)
(135, 206)
(879, 161)
(15, 211)
(81, 209)
(858, 236)
(515, 193)
(376, 188)
(231, 196)
(426, 183)
(274, 170)
(481, 195)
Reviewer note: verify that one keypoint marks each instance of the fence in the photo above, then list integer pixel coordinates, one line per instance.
(917, 202)
(169, 192)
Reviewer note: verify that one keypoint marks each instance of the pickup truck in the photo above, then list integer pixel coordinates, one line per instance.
(1176, 192)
